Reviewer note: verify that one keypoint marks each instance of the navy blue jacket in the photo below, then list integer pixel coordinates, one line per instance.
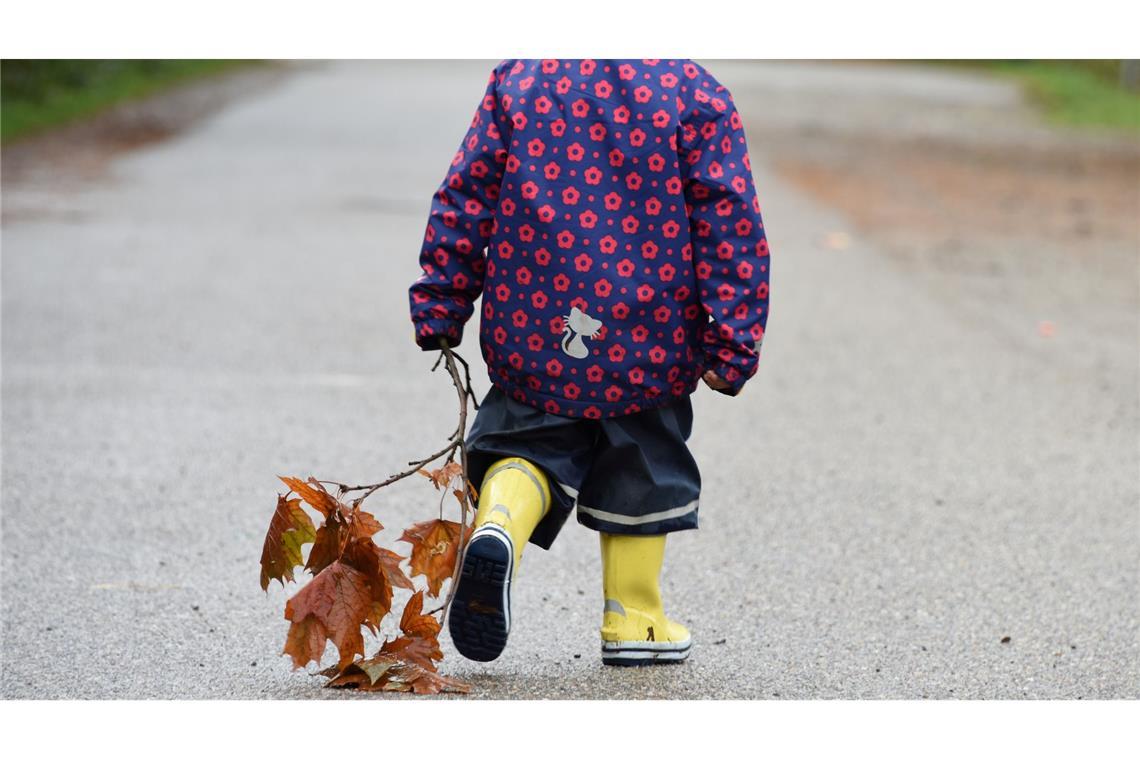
(605, 211)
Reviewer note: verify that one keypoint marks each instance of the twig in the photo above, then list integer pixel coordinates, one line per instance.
(467, 381)
(349, 517)
(455, 443)
(415, 467)
(465, 392)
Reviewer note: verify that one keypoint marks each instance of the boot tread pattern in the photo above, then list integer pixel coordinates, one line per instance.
(479, 617)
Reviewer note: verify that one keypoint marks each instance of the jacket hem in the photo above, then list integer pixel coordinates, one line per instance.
(588, 408)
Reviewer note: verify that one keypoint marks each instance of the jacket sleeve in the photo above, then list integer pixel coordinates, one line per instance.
(730, 250)
(459, 227)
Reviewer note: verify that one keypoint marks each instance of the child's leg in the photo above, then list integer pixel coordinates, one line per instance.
(642, 485)
(513, 499)
(515, 496)
(560, 447)
(635, 630)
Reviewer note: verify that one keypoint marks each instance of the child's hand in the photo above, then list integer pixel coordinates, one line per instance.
(714, 381)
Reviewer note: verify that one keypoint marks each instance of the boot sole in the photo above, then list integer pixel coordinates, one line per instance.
(479, 618)
(638, 653)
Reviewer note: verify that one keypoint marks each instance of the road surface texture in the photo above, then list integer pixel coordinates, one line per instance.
(928, 491)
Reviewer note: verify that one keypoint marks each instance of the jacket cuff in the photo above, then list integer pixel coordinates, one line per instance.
(429, 331)
(727, 372)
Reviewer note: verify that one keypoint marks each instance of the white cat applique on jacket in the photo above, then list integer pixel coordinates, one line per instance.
(578, 325)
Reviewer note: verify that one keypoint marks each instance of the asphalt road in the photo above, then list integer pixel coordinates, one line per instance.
(929, 490)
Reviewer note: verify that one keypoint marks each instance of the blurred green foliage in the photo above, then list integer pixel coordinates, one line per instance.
(36, 94)
(1088, 93)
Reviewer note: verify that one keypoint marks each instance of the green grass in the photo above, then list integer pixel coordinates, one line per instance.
(39, 94)
(1076, 93)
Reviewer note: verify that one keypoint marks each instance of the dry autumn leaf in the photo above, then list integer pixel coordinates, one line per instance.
(314, 495)
(289, 530)
(337, 531)
(364, 556)
(390, 562)
(435, 548)
(362, 674)
(333, 606)
(384, 672)
(354, 578)
(364, 525)
(420, 652)
(420, 642)
(351, 678)
(328, 544)
(305, 641)
(410, 677)
(414, 622)
(445, 476)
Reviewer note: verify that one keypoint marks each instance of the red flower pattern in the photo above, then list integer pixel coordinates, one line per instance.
(622, 190)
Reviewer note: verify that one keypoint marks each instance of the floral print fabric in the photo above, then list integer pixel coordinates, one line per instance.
(606, 213)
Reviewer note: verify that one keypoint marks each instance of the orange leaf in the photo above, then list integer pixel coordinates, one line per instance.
(426, 682)
(364, 525)
(351, 678)
(390, 562)
(444, 476)
(363, 673)
(289, 530)
(414, 650)
(414, 623)
(333, 605)
(364, 556)
(305, 641)
(420, 642)
(314, 495)
(435, 548)
(383, 672)
(327, 544)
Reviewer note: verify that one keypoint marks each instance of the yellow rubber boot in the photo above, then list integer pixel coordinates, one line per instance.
(515, 496)
(635, 630)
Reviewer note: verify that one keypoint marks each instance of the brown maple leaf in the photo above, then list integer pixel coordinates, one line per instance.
(334, 605)
(363, 674)
(351, 678)
(328, 544)
(383, 672)
(390, 562)
(414, 622)
(434, 683)
(435, 548)
(315, 495)
(337, 529)
(418, 651)
(420, 642)
(451, 476)
(364, 556)
(364, 525)
(305, 641)
(289, 530)
(411, 677)
(444, 476)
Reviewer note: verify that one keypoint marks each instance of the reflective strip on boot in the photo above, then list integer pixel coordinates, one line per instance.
(515, 495)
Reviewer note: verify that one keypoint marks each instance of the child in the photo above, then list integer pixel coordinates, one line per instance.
(625, 260)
